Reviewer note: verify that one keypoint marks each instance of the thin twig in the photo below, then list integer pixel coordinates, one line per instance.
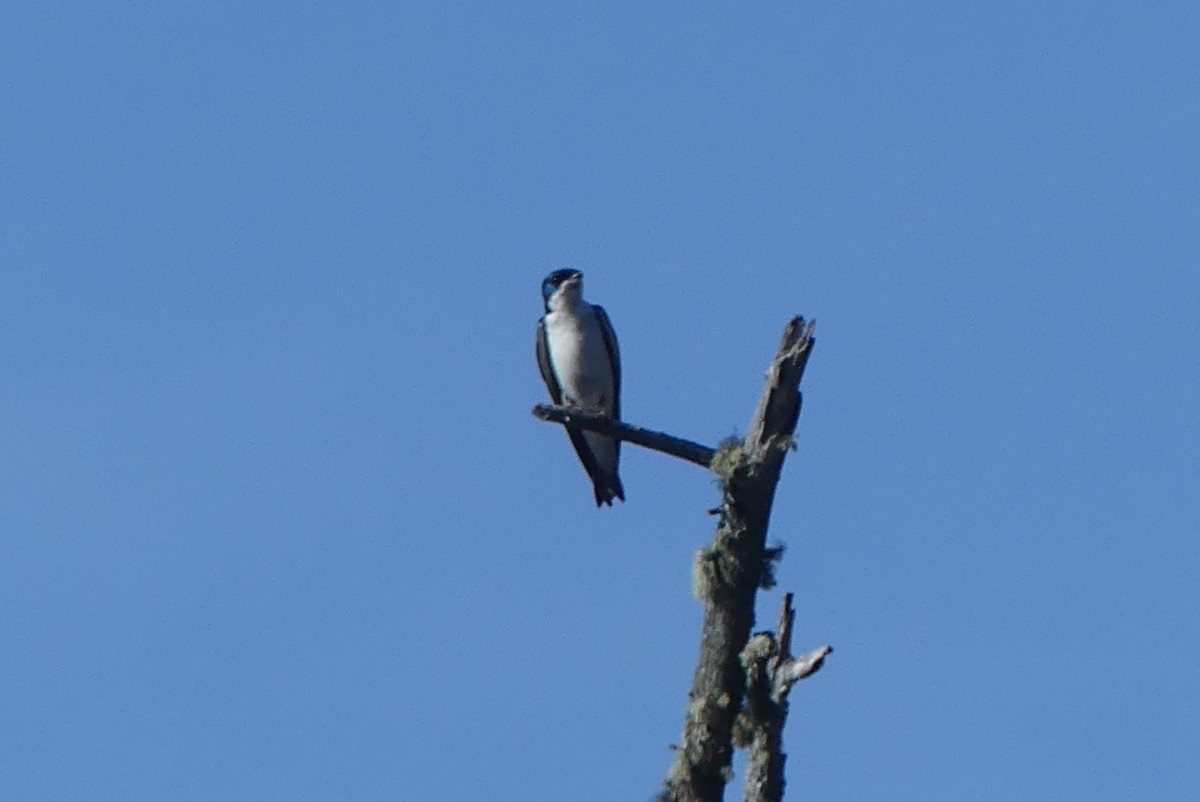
(794, 669)
(783, 630)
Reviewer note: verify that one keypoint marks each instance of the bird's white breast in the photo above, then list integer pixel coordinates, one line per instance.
(579, 357)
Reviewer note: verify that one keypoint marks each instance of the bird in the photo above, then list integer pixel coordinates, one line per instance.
(580, 362)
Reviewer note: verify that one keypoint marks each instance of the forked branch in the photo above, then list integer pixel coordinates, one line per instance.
(733, 568)
(737, 678)
(771, 671)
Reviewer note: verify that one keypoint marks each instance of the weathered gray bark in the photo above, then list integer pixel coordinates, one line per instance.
(730, 571)
(727, 576)
(771, 670)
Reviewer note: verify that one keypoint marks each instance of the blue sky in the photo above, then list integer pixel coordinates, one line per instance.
(275, 521)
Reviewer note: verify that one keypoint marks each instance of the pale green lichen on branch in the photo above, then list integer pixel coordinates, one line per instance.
(729, 460)
(698, 711)
(705, 573)
(772, 554)
(755, 658)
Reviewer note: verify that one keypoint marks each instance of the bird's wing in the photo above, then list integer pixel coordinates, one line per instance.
(543, 358)
(614, 356)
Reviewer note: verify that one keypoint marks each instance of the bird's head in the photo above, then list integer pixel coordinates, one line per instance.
(561, 289)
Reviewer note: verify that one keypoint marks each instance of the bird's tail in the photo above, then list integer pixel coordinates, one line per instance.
(607, 488)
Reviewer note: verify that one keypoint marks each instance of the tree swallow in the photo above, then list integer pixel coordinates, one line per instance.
(577, 354)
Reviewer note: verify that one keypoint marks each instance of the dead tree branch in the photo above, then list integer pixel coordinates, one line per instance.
(771, 670)
(603, 424)
(729, 573)
(733, 668)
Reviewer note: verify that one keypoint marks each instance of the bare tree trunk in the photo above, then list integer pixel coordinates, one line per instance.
(730, 571)
(726, 577)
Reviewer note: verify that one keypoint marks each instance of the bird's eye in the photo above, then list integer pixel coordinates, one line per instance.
(547, 288)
